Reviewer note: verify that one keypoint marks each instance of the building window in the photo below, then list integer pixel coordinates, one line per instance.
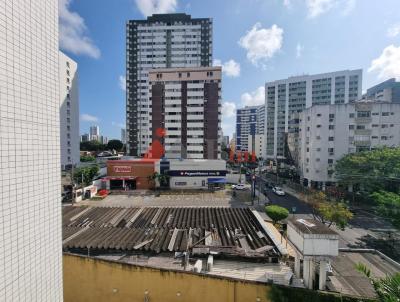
(331, 127)
(384, 138)
(363, 113)
(351, 115)
(188, 74)
(385, 113)
(67, 64)
(180, 75)
(331, 150)
(331, 115)
(351, 127)
(330, 161)
(384, 125)
(360, 127)
(318, 126)
(331, 138)
(319, 114)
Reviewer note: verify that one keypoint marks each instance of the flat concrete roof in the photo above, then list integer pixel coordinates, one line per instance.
(311, 226)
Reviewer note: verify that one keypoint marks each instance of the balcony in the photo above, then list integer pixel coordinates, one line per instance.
(362, 143)
(363, 120)
(362, 132)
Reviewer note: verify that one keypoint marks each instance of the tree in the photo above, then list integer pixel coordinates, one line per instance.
(92, 146)
(387, 289)
(87, 158)
(328, 211)
(115, 144)
(388, 205)
(162, 179)
(85, 175)
(276, 213)
(373, 170)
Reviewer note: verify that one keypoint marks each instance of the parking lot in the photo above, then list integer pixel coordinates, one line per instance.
(222, 198)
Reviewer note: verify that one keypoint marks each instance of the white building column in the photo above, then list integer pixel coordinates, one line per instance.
(322, 275)
(297, 266)
(307, 273)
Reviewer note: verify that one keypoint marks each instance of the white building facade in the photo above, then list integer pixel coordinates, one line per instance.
(69, 111)
(256, 144)
(30, 181)
(94, 133)
(328, 132)
(161, 41)
(284, 98)
(186, 103)
(250, 121)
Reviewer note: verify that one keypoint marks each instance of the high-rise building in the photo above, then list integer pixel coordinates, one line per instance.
(123, 136)
(94, 133)
(85, 137)
(288, 97)
(30, 178)
(328, 132)
(225, 140)
(186, 103)
(161, 41)
(249, 122)
(69, 111)
(387, 91)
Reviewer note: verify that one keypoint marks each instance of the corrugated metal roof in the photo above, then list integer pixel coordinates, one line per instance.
(234, 231)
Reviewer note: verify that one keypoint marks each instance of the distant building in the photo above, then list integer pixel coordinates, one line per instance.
(286, 97)
(186, 103)
(103, 139)
(387, 91)
(94, 133)
(328, 132)
(256, 144)
(85, 137)
(30, 178)
(123, 136)
(249, 122)
(69, 111)
(232, 142)
(160, 41)
(225, 140)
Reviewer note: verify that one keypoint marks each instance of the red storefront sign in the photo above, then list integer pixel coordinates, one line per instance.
(122, 169)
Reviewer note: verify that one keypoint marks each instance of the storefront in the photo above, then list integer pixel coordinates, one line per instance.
(194, 173)
(127, 175)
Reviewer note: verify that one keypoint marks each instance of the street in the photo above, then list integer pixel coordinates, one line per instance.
(365, 230)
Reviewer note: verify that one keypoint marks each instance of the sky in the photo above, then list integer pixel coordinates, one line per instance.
(255, 41)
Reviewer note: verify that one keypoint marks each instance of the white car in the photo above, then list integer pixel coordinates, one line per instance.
(278, 191)
(239, 187)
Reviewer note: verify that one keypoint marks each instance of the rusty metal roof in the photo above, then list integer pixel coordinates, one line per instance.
(232, 231)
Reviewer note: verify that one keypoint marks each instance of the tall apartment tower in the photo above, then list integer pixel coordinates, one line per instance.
(94, 133)
(69, 111)
(186, 104)
(249, 122)
(387, 91)
(30, 181)
(285, 99)
(161, 41)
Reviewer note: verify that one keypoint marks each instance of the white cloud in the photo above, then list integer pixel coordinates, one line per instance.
(299, 50)
(119, 125)
(149, 7)
(262, 43)
(319, 7)
(89, 118)
(393, 31)
(228, 109)
(287, 4)
(73, 32)
(388, 63)
(254, 98)
(122, 82)
(230, 68)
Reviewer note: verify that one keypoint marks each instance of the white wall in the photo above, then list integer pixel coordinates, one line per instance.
(69, 111)
(30, 212)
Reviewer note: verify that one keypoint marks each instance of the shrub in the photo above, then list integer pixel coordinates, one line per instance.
(276, 213)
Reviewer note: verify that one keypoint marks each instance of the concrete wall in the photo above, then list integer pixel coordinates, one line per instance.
(87, 280)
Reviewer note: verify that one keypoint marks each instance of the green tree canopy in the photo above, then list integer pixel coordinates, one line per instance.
(115, 144)
(92, 146)
(85, 175)
(276, 213)
(328, 211)
(388, 205)
(374, 170)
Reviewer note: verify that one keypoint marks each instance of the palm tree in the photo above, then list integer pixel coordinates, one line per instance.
(387, 289)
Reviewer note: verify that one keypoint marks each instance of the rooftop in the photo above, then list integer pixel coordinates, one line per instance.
(234, 232)
(310, 226)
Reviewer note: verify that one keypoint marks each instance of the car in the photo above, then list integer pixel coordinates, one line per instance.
(239, 187)
(278, 191)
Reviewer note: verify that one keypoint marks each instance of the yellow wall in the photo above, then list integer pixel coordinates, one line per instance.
(88, 279)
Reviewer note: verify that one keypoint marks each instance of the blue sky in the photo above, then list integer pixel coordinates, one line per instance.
(255, 41)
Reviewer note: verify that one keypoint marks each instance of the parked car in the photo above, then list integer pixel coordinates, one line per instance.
(278, 191)
(239, 187)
